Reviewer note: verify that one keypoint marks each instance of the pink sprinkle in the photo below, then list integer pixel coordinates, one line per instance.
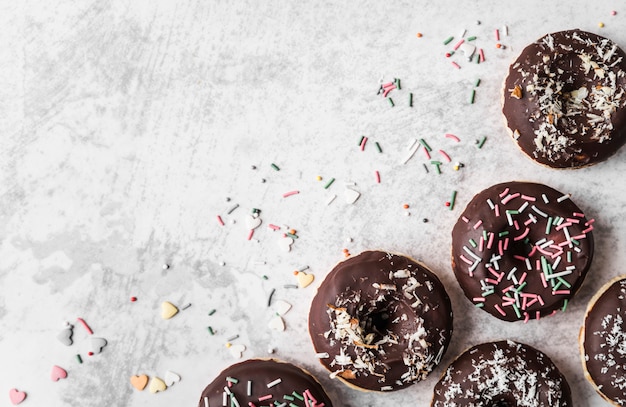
(526, 317)
(479, 299)
(613, 13)
(508, 288)
(529, 198)
(466, 260)
(482, 55)
(363, 143)
(492, 271)
(453, 137)
(445, 156)
(477, 225)
(560, 292)
(481, 243)
(589, 222)
(573, 220)
(543, 280)
(387, 90)
(377, 177)
(578, 214)
(497, 35)
(491, 281)
(454, 64)
(500, 310)
(307, 392)
(286, 194)
(266, 397)
(219, 220)
(464, 219)
(427, 154)
(490, 242)
(516, 225)
(84, 324)
(537, 315)
(251, 404)
(522, 236)
(503, 194)
(388, 84)
(500, 248)
(273, 227)
(518, 257)
(497, 210)
(250, 234)
(506, 301)
(521, 280)
(540, 300)
(510, 198)
(458, 44)
(589, 229)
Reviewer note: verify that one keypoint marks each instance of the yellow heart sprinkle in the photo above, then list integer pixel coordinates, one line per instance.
(168, 310)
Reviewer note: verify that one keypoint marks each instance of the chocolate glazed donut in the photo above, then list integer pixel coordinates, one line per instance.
(380, 321)
(502, 374)
(521, 250)
(603, 341)
(564, 99)
(264, 382)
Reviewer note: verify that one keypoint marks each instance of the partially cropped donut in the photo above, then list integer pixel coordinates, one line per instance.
(504, 373)
(264, 382)
(521, 250)
(564, 99)
(380, 321)
(603, 341)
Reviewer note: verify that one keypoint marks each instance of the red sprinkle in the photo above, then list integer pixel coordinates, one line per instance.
(133, 299)
(90, 353)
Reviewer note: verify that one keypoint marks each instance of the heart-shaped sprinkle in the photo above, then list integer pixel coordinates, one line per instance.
(16, 396)
(285, 243)
(281, 307)
(304, 279)
(252, 222)
(237, 351)
(65, 336)
(139, 382)
(97, 344)
(157, 385)
(277, 323)
(352, 196)
(58, 373)
(168, 310)
(171, 378)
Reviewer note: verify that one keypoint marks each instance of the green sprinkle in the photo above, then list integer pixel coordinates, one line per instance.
(479, 304)
(380, 150)
(481, 142)
(448, 40)
(397, 82)
(521, 287)
(291, 235)
(477, 60)
(549, 225)
(485, 236)
(516, 309)
(503, 233)
(391, 102)
(453, 199)
(487, 293)
(569, 257)
(329, 183)
(576, 242)
(293, 405)
(473, 242)
(472, 97)
(557, 285)
(564, 305)
(437, 164)
(211, 331)
(264, 277)
(361, 141)
(232, 380)
(298, 396)
(410, 99)
(477, 84)
(288, 397)
(544, 265)
(79, 359)
(274, 166)
(425, 144)
(451, 53)
(564, 282)
(472, 38)
(213, 311)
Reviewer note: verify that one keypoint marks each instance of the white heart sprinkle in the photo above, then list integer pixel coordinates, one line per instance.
(171, 378)
(285, 243)
(277, 323)
(252, 222)
(237, 351)
(468, 49)
(281, 307)
(352, 196)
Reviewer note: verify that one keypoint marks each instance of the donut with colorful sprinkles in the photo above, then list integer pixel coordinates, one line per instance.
(521, 250)
(564, 99)
(264, 382)
(603, 341)
(503, 373)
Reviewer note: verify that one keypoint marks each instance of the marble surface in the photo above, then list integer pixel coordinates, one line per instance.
(126, 126)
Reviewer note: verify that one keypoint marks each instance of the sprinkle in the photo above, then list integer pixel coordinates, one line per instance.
(410, 154)
(219, 220)
(410, 99)
(564, 305)
(391, 102)
(232, 209)
(266, 397)
(613, 13)
(224, 398)
(452, 137)
(274, 383)
(419, 35)
(445, 156)
(482, 142)
(232, 338)
(477, 83)
(232, 380)
(290, 193)
(133, 299)
(213, 311)
(425, 144)
(500, 310)
(184, 307)
(363, 142)
(84, 324)
(380, 150)
(563, 198)
(206, 401)
(600, 24)
(497, 32)
(448, 40)
(322, 355)
(274, 166)
(452, 200)
(482, 55)
(250, 234)
(298, 396)
(454, 64)
(472, 97)
(560, 292)
(269, 300)
(377, 175)
(79, 359)
(329, 183)
(458, 44)
(472, 38)
(211, 331)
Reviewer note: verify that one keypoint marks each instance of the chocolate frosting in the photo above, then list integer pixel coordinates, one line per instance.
(604, 341)
(521, 250)
(380, 321)
(564, 100)
(295, 386)
(503, 374)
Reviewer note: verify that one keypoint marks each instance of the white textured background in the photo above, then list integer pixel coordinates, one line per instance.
(125, 125)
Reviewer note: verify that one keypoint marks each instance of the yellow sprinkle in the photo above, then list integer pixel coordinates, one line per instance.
(456, 168)
(319, 178)
(228, 344)
(600, 25)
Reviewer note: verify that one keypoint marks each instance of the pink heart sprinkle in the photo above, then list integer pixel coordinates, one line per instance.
(16, 396)
(57, 373)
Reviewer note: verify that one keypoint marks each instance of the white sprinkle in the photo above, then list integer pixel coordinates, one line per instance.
(234, 401)
(166, 266)
(539, 211)
(490, 203)
(330, 199)
(206, 402)
(564, 197)
(411, 153)
(224, 399)
(386, 388)
(546, 244)
(528, 265)
(222, 263)
(523, 207)
(412, 144)
(322, 355)
(463, 33)
(505, 30)
(556, 263)
(545, 198)
(227, 390)
(560, 274)
(249, 388)
(274, 383)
